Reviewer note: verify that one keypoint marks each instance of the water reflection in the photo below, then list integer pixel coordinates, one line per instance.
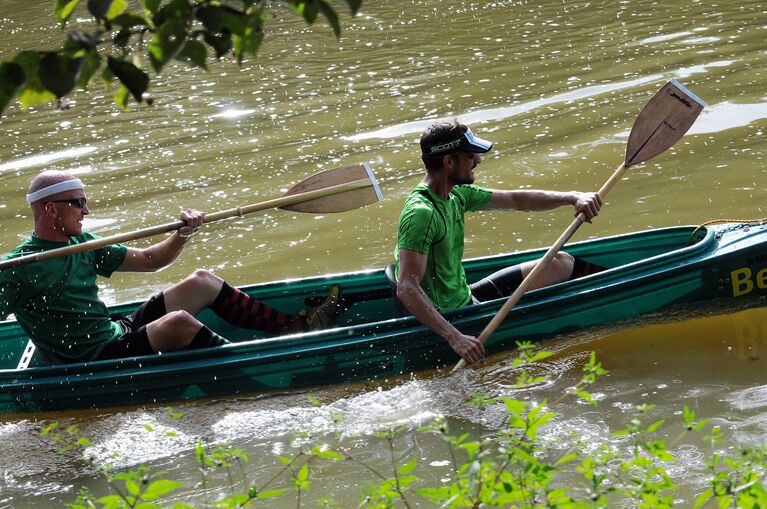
(578, 94)
(46, 159)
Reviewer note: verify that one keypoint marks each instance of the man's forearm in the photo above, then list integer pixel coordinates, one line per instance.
(532, 200)
(419, 304)
(164, 253)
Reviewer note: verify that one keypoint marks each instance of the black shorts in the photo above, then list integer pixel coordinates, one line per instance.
(135, 340)
(498, 284)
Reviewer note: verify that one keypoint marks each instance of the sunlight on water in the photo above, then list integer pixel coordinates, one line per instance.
(726, 115)
(44, 159)
(233, 113)
(495, 114)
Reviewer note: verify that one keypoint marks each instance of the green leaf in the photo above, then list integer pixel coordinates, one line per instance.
(63, 9)
(180, 9)
(408, 467)
(160, 488)
(244, 45)
(331, 15)
(195, 53)
(132, 487)
(110, 501)
(107, 9)
(83, 442)
(151, 5)
(703, 498)
(132, 78)
(354, 5)
(58, 73)
(568, 458)
(687, 415)
(128, 19)
(167, 42)
(308, 9)
(32, 92)
(270, 493)
(654, 426)
(514, 406)
(303, 472)
(222, 44)
(586, 396)
(12, 78)
(540, 356)
(325, 453)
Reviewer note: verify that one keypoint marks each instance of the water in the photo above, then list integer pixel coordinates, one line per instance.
(555, 86)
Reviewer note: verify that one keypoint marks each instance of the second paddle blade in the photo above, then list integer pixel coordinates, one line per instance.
(662, 122)
(363, 190)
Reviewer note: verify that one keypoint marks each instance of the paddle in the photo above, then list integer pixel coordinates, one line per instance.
(335, 190)
(660, 124)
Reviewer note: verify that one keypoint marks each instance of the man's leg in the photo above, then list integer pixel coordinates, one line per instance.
(151, 329)
(202, 289)
(502, 283)
(178, 330)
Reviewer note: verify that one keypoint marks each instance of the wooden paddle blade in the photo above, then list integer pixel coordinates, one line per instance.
(340, 202)
(663, 120)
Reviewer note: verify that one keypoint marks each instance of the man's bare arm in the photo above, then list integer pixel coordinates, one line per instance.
(538, 200)
(163, 253)
(412, 266)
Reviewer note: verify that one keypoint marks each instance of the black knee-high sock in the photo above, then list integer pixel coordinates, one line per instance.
(583, 268)
(206, 338)
(242, 310)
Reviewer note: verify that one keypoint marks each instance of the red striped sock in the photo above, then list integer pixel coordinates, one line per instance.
(242, 310)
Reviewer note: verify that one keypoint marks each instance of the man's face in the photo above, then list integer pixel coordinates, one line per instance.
(69, 209)
(463, 168)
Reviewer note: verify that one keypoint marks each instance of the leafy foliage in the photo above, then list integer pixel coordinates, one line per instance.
(513, 468)
(187, 31)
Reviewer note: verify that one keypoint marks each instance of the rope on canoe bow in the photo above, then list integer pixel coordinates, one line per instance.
(717, 221)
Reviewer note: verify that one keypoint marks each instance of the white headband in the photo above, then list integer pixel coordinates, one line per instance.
(67, 185)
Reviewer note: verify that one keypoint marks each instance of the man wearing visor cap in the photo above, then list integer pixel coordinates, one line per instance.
(56, 301)
(430, 239)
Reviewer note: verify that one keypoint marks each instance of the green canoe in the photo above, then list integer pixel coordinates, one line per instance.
(647, 272)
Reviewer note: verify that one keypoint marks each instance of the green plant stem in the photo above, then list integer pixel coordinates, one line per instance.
(286, 467)
(390, 440)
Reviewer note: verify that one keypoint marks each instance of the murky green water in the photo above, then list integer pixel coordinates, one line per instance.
(556, 86)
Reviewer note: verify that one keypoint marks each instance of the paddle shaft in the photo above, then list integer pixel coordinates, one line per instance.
(169, 227)
(542, 264)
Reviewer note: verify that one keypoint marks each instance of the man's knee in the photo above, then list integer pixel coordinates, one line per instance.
(565, 262)
(202, 277)
(181, 321)
(173, 331)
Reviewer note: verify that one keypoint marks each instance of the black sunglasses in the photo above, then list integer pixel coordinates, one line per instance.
(77, 202)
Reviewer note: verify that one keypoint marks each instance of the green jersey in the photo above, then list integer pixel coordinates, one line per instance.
(56, 301)
(434, 226)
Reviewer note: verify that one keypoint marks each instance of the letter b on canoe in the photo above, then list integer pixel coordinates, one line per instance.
(743, 283)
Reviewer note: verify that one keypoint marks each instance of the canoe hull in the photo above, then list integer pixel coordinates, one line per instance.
(723, 267)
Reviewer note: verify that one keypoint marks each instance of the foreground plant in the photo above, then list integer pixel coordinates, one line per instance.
(517, 467)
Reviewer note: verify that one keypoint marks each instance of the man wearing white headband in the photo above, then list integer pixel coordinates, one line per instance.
(56, 301)
(430, 278)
